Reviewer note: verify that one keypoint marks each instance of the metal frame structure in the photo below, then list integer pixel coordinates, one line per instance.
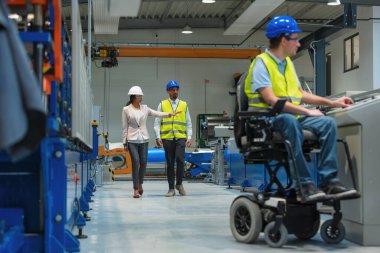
(33, 202)
(316, 44)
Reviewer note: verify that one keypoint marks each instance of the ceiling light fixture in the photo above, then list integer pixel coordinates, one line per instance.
(333, 2)
(187, 30)
(208, 1)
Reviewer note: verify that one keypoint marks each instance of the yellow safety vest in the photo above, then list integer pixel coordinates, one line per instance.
(284, 86)
(173, 127)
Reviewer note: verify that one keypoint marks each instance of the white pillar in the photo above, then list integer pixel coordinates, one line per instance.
(376, 48)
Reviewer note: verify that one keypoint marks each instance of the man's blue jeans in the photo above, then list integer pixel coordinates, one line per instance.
(325, 129)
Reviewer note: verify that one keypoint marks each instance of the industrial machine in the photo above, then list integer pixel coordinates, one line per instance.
(120, 160)
(107, 55)
(358, 125)
(219, 163)
(198, 163)
(205, 128)
(213, 131)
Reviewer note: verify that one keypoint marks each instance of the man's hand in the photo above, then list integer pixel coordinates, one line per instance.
(125, 146)
(188, 143)
(159, 143)
(314, 113)
(342, 102)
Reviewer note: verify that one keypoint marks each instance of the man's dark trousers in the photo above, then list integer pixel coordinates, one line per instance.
(174, 152)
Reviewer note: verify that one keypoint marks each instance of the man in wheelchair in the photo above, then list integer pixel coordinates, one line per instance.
(271, 78)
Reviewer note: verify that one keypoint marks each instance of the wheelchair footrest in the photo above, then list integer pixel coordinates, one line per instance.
(250, 189)
(332, 197)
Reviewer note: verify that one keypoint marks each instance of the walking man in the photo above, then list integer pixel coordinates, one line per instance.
(174, 134)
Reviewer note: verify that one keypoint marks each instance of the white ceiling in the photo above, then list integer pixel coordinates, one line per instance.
(236, 17)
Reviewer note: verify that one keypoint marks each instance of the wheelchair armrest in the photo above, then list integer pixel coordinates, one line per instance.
(278, 107)
(261, 113)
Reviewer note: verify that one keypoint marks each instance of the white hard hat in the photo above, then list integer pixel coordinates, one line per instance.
(135, 90)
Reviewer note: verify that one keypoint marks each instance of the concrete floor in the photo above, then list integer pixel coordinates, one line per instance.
(195, 223)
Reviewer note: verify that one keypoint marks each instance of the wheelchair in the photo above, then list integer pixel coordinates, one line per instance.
(277, 210)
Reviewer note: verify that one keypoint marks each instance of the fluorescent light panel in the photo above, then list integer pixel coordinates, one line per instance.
(103, 22)
(333, 2)
(124, 8)
(256, 12)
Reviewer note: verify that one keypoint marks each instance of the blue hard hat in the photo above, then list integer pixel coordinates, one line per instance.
(171, 84)
(281, 25)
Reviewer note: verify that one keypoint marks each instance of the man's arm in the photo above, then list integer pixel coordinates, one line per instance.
(157, 126)
(270, 98)
(189, 128)
(311, 99)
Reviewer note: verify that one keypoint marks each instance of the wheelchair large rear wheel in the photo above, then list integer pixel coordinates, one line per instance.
(245, 220)
(309, 231)
(275, 240)
(332, 235)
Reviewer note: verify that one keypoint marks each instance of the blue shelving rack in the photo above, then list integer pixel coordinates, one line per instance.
(33, 191)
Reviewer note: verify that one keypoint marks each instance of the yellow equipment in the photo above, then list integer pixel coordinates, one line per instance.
(121, 159)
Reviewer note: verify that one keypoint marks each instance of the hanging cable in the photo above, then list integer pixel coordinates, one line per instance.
(108, 99)
(104, 100)
(314, 63)
(105, 116)
(106, 106)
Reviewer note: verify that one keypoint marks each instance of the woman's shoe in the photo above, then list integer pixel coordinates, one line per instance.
(141, 190)
(136, 194)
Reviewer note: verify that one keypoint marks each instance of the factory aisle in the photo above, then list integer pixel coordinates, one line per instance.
(197, 223)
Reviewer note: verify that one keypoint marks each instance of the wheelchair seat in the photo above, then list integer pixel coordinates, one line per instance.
(244, 115)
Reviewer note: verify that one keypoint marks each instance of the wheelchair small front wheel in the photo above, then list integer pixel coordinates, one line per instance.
(332, 235)
(278, 239)
(245, 220)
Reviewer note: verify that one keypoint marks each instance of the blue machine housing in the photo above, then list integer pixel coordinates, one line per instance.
(200, 163)
(255, 175)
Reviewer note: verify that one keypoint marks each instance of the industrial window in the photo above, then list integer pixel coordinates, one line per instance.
(351, 52)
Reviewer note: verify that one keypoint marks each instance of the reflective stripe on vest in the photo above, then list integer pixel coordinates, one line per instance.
(173, 127)
(284, 86)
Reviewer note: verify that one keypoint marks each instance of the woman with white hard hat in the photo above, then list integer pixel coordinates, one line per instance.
(135, 135)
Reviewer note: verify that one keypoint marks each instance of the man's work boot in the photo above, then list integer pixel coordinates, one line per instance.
(339, 190)
(311, 192)
(171, 193)
(181, 190)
